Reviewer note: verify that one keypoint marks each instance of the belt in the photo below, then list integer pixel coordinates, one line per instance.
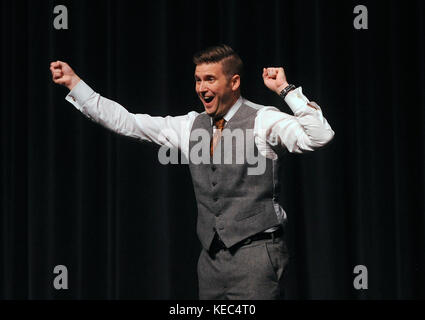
(217, 244)
(264, 235)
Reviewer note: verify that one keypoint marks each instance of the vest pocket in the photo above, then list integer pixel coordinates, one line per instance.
(252, 211)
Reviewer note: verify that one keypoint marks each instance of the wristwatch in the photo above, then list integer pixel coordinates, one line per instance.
(285, 91)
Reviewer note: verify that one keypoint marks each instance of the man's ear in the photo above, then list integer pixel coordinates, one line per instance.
(235, 82)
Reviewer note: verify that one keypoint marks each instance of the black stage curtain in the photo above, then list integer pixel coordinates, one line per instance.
(77, 195)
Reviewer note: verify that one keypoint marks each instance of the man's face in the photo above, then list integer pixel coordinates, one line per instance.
(216, 90)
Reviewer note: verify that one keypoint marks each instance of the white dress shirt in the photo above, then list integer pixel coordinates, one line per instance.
(306, 130)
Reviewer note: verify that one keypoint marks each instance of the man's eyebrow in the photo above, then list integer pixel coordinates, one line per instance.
(205, 76)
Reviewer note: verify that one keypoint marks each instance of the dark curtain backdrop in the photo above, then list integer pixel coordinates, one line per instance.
(75, 194)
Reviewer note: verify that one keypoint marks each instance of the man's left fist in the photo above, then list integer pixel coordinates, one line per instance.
(275, 79)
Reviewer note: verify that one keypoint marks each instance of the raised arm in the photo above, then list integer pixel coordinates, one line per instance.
(306, 130)
(171, 131)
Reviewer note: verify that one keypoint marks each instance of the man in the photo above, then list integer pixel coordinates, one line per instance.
(240, 221)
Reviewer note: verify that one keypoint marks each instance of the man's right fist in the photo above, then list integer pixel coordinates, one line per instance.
(63, 74)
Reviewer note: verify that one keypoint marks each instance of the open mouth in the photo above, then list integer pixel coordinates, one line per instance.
(208, 99)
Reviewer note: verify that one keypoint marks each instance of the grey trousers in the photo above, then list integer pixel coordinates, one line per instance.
(250, 272)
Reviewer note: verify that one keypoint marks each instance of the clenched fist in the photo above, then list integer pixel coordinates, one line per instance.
(63, 74)
(275, 79)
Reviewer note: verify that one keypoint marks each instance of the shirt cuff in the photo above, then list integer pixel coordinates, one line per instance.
(296, 100)
(79, 94)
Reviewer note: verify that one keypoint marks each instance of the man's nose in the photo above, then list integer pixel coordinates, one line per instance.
(202, 87)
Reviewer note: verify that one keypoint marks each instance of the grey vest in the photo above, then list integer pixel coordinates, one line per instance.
(231, 202)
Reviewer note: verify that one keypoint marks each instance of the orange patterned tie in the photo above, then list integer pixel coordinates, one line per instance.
(219, 124)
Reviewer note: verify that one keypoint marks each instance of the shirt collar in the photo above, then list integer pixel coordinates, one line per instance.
(232, 110)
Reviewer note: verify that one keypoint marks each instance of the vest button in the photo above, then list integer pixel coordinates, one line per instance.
(214, 183)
